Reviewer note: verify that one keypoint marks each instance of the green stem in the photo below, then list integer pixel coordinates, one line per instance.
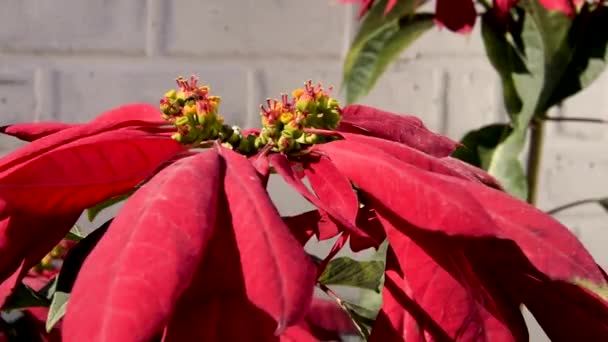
(537, 132)
(575, 119)
(572, 205)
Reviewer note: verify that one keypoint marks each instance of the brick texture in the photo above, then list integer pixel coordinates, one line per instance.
(69, 60)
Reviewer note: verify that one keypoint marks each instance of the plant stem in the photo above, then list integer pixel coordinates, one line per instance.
(570, 119)
(537, 132)
(335, 297)
(572, 205)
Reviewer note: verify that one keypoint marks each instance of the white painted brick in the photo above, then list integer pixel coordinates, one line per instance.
(413, 89)
(256, 27)
(17, 95)
(81, 93)
(442, 42)
(572, 171)
(472, 98)
(69, 25)
(590, 103)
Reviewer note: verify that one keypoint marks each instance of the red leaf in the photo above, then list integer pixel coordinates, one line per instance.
(129, 284)
(115, 118)
(34, 130)
(368, 221)
(24, 240)
(284, 290)
(405, 129)
(432, 293)
(135, 114)
(456, 15)
(332, 188)
(221, 317)
(304, 225)
(436, 205)
(447, 165)
(471, 172)
(533, 231)
(328, 316)
(84, 172)
(326, 321)
(283, 168)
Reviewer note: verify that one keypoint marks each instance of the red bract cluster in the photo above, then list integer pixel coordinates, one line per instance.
(460, 15)
(199, 251)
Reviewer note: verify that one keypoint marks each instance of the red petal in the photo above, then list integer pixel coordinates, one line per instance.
(284, 290)
(456, 15)
(84, 172)
(436, 204)
(129, 284)
(405, 129)
(34, 130)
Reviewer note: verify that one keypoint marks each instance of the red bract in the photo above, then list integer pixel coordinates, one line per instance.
(200, 252)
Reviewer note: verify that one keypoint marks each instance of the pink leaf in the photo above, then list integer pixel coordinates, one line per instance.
(34, 130)
(129, 284)
(284, 289)
(408, 130)
(84, 172)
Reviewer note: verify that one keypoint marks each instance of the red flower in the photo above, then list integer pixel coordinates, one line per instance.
(200, 252)
(460, 15)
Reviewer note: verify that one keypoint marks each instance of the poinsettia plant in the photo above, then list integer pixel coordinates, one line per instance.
(544, 51)
(200, 252)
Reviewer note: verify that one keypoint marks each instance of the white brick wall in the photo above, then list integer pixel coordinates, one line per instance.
(68, 60)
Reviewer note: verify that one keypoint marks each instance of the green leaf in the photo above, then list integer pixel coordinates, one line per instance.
(372, 59)
(348, 272)
(75, 258)
(94, 211)
(374, 22)
(75, 234)
(531, 60)
(590, 55)
(57, 309)
(476, 142)
(24, 297)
